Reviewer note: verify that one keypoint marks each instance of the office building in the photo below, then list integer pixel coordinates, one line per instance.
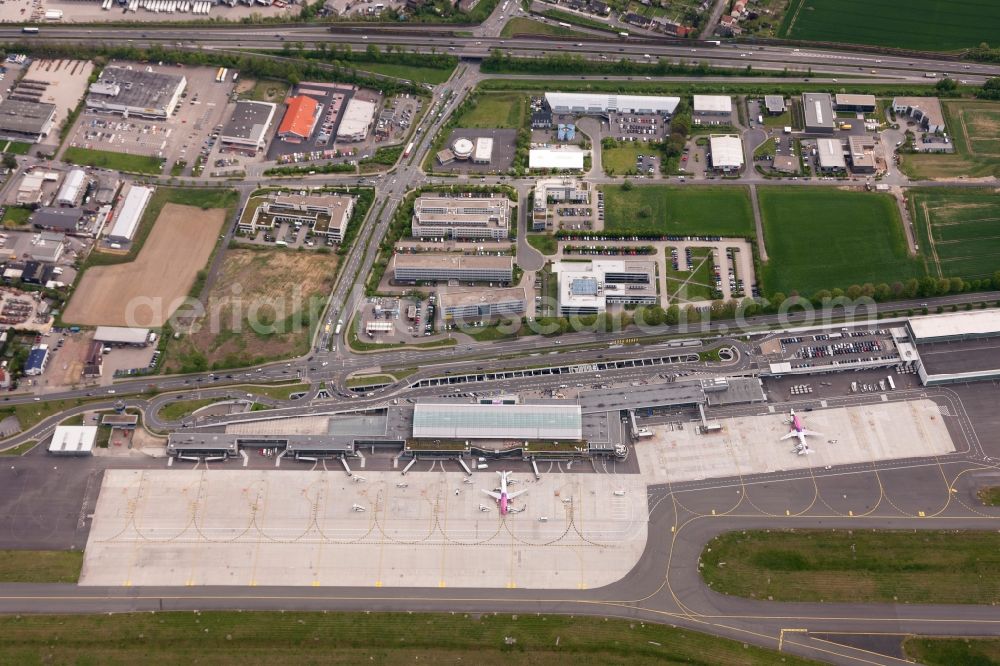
(818, 109)
(587, 288)
(461, 217)
(443, 266)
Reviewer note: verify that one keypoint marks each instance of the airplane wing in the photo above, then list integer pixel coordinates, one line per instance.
(511, 496)
(812, 433)
(791, 433)
(492, 494)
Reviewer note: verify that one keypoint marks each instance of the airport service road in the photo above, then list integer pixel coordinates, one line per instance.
(302, 528)
(752, 445)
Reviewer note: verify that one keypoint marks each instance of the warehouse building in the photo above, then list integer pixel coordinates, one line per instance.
(925, 110)
(38, 358)
(65, 220)
(452, 420)
(602, 104)
(775, 104)
(712, 110)
(557, 158)
(248, 126)
(326, 214)
(955, 347)
(300, 119)
(72, 188)
(129, 214)
(830, 155)
(21, 120)
(480, 304)
(461, 217)
(77, 440)
(136, 92)
(587, 288)
(859, 103)
(726, 153)
(121, 336)
(356, 120)
(443, 266)
(818, 108)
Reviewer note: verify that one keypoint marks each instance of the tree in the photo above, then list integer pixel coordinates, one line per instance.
(9, 161)
(956, 285)
(627, 185)
(990, 89)
(946, 86)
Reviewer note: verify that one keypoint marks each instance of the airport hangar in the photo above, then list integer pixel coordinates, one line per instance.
(506, 427)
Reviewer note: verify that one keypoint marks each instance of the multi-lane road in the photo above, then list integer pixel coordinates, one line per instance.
(664, 587)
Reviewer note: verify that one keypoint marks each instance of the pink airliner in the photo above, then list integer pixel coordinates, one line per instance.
(798, 430)
(503, 497)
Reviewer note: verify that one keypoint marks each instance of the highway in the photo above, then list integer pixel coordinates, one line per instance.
(664, 587)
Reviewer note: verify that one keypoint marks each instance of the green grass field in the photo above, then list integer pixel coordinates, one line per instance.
(523, 26)
(107, 159)
(20, 449)
(387, 639)
(414, 73)
(620, 160)
(927, 25)
(14, 216)
(15, 147)
(544, 243)
(181, 408)
(821, 238)
(367, 380)
(940, 651)
(974, 126)
(678, 210)
(863, 566)
(695, 285)
(495, 111)
(958, 231)
(40, 566)
(990, 496)
(267, 90)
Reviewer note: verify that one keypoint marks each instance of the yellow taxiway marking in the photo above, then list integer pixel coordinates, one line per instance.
(315, 583)
(850, 512)
(441, 584)
(787, 512)
(378, 583)
(781, 635)
(127, 583)
(713, 512)
(511, 585)
(921, 514)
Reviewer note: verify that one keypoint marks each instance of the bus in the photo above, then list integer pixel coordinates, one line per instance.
(409, 149)
(892, 384)
(29, 30)
(564, 24)
(340, 326)
(623, 35)
(219, 74)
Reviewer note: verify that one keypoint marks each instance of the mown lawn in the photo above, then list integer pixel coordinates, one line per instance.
(504, 111)
(678, 210)
(251, 638)
(414, 73)
(106, 159)
(941, 651)
(523, 26)
(858, 566)
(40, 566)
(544, 243)
(821, 238)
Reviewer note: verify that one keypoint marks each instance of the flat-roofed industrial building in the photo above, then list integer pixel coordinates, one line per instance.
(859, 103)
(356, 120)
(775, 104)
(136, 92)
(129, 214)
(862, 151)
(601, 104)
(21, 120)
(249, 125)
(712, 110)
(443, 266)
(726, 152)
(830, 155)
(461, 217)
(925, 110)
(480, 304)
(818, 110)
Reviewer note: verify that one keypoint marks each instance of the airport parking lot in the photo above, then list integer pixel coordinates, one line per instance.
(284, 527)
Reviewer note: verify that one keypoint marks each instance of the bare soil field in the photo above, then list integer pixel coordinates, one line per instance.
(264, 305)
(145, 292)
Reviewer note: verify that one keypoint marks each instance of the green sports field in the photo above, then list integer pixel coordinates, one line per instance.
(958, 231)
(821, 238)
(927, 25)
(676, 210)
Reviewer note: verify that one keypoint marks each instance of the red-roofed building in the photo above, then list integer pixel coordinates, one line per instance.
(300, 119)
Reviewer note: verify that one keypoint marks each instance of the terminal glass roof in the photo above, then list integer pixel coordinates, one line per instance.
(473, 421)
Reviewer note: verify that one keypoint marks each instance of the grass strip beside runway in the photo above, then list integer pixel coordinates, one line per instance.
(860, 566)
(936, 651)
(247, 638)
(40, 566)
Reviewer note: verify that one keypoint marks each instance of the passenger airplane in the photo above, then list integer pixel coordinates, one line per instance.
(503, 497)
(798, 430)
